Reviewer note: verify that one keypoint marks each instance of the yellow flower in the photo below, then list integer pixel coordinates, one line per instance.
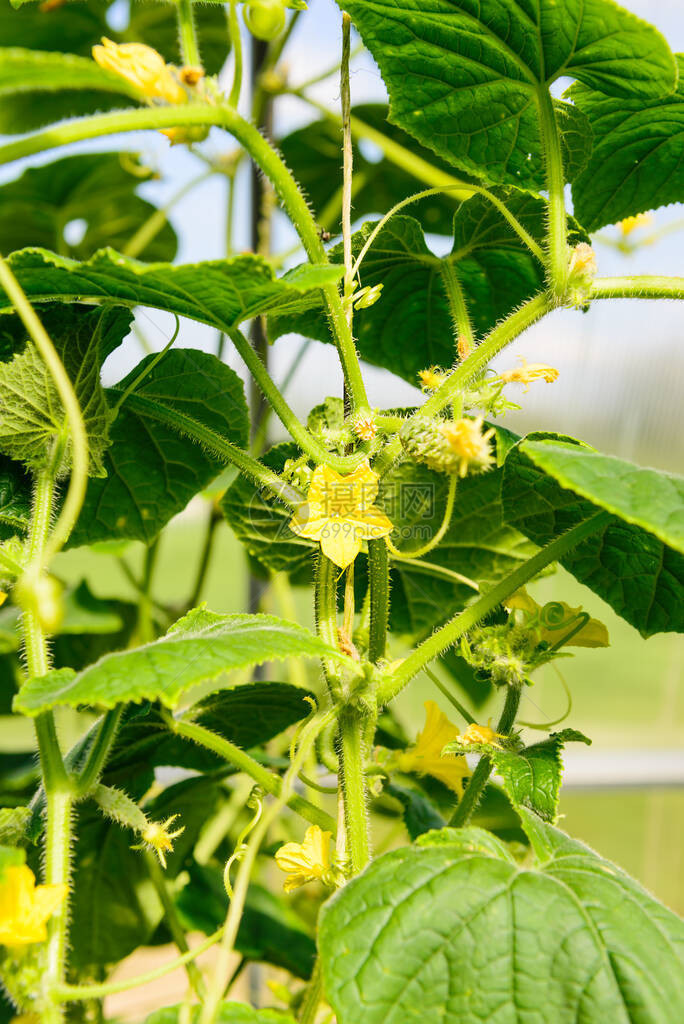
(25, 906)
(528, 372)
(3, 597)
(463, 347)
(480, 734)
(305, 862)
(143, 67)
(364, 426)
(468, 443)
(157, 837)
(560, 615)
(426, 757)
(630, 224)
(582, 261)
(431, 378)
(339, 512)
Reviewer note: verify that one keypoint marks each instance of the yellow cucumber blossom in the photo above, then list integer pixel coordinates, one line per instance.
(630, 224)
(142, 67)
(468, 444)
(364, 426)
(426, 757)
(431, 378)
(557, 619)
(25, 907)
(528, 372)
(581, 273)
(475, 734)
(159, 838)
(339, 512)
(308, 861)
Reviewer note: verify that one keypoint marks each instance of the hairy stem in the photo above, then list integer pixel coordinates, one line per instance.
(555, 181)
(243, 762)
(188, 34)
(99, 751)
(471, 798)
(352, 725)
(640, 286)
(461, 623)
(378, 572)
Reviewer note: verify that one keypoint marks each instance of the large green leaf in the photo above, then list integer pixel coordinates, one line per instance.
(97, 191)
(200, 646)
(411, 327)
(625, 563)
(648, 498)
(313, 155)
(75, 28)
(152, 471)
(463, 76)
(636, 163)
(227, 1013)
(32, 417)
(221, 293)
(453, 931)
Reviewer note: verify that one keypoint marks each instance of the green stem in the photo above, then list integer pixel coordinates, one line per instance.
(212, 441)
(215, 518)
(58, 804)
(296, 429)
(242, 761)
(444, 526)
(463, 711)
(325, 598)
(458, 308)
(352, 725)
(236, 46)
(555, 180)
(471, 367)
(188, 34)
(480, 776)
(314, 994)
(146, 370)
(439, 572)
(378, 573)
(78, 479)
(99, 751)
(177, 934)
(461, 623)
(640, 286)
(73, 993)
(260, 151)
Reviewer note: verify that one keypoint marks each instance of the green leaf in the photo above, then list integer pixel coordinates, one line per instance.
(648, 498)
(97, 189)
(463, 76)
(115, 907)
(221, 293)
(636, 161)
(532, 777)
(13, 823)
(478, 544)
(200, 646)
(419, 814)
(15, 499)
(152, 471)
(637, 574)
(227, 1013)
(410, 327)
(75, 29)
(313, 155)
(32, 418)
(261, 524)
(452, 931)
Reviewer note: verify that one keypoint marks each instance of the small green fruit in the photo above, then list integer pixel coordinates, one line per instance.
(265, 19)
(42, 596)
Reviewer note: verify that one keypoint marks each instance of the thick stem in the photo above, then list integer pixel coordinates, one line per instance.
(640, 286)
(555, 181)
(58, 803)
(460, 624)
(483, 770)
(99, 752)
(244, 763)
(352, 726)
(378, 573)
(188, 35)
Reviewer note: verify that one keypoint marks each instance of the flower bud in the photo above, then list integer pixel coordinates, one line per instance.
(265, 19)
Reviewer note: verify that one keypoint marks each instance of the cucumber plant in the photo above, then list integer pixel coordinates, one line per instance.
(412, 532)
